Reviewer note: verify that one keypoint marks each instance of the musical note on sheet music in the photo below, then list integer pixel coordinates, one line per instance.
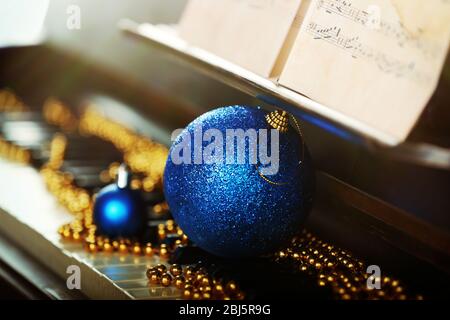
(372, 20)
(352, 44)
(378, 61)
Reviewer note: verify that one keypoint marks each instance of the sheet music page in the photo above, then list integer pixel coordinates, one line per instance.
(22, 21)
(249, 33)
(378, 61)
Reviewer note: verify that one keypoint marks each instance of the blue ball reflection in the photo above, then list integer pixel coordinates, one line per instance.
(119, 212)
(116, 211)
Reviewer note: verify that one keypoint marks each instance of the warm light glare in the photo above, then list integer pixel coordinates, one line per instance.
(116, 211)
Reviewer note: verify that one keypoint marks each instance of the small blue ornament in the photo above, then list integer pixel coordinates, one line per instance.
(119, 211)
(235, 210)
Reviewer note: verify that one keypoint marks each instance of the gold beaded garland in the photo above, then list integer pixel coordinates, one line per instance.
(166, 279)
(331, 266)
(176, 270)
(336, 268)
(179, 282)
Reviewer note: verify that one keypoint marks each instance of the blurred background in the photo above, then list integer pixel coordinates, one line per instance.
(99, 34)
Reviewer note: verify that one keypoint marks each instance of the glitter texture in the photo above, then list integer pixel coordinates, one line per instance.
(229, 209)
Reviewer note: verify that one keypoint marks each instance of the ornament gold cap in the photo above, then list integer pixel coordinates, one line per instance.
(278, 120)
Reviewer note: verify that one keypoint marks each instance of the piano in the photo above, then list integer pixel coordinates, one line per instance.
(377, 205)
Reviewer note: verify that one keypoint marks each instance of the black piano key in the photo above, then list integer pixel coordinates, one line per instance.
(91, 183)
(86, 174)
(84, 168)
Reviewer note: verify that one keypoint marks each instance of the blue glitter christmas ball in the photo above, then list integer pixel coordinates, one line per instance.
(233, 210)
(119, 211)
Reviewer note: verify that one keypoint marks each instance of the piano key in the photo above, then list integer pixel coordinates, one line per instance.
(156, 293)
(22, 116)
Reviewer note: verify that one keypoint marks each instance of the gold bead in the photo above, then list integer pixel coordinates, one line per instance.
(161, 234)
(100, 242)
(163, 252)
(123, 248)
(149, 272)
(115, 244)
(179, 282)
(189, 271)
(107, 247)
(218, 289)
(205, 288)
(176, 270)
(66, 233)
(190, 278)
(161, 268)
(92, 247)
(198, 277)
(155, 277)
(231, 287)
(148, 250)
(76, 236)
(187, 294)
(166, 279)
(206, 296)
(205, 281)
(137, 249)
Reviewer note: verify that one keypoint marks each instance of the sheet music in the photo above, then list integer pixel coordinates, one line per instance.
(250, 33)
(376, 60)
